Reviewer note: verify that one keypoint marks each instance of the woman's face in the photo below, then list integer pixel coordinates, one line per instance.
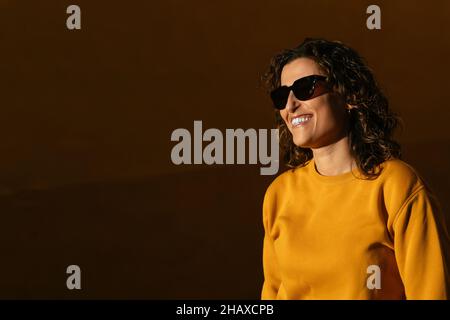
(326, 115)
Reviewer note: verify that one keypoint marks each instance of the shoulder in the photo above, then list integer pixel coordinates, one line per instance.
(397, 174)
(277, 186)
(286, 181)
(285, 185)
(400, 183)
(280, 182)
(275, 196)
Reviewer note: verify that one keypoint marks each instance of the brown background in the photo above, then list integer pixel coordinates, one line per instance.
(86, 118)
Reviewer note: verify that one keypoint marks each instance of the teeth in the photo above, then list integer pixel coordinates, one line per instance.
(299, 120)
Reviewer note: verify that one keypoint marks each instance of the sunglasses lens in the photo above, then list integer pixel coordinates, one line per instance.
(279, 97)
(304, 88)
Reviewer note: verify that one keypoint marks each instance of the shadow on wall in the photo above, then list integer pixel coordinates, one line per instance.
(191, 235)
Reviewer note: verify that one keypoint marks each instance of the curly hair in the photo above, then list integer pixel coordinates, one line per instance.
(372, 123)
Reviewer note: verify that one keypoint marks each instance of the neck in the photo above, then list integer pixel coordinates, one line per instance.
(335, 158)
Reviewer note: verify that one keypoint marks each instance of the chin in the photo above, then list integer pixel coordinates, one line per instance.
(302, 143)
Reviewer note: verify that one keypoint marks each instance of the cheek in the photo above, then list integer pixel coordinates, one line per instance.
(325, 117)
(330, 119)
(337, 108)
(330, 112)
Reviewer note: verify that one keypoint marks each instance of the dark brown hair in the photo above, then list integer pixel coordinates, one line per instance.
(372, 123)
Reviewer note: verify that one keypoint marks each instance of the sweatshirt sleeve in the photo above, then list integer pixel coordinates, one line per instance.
(272, 279)
(421, 243)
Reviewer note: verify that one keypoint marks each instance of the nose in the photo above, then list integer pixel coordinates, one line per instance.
(292, 103)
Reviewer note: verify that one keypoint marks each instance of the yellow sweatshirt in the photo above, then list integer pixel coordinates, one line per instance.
(339, 237)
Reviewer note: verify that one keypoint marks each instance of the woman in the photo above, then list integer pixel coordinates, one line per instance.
(350, 220)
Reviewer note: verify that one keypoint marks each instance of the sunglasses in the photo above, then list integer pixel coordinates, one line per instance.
(303, 89)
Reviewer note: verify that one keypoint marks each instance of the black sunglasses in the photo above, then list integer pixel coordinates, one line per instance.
(303, 89)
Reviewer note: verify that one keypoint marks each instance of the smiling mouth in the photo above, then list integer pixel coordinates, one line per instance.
(301, 121)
